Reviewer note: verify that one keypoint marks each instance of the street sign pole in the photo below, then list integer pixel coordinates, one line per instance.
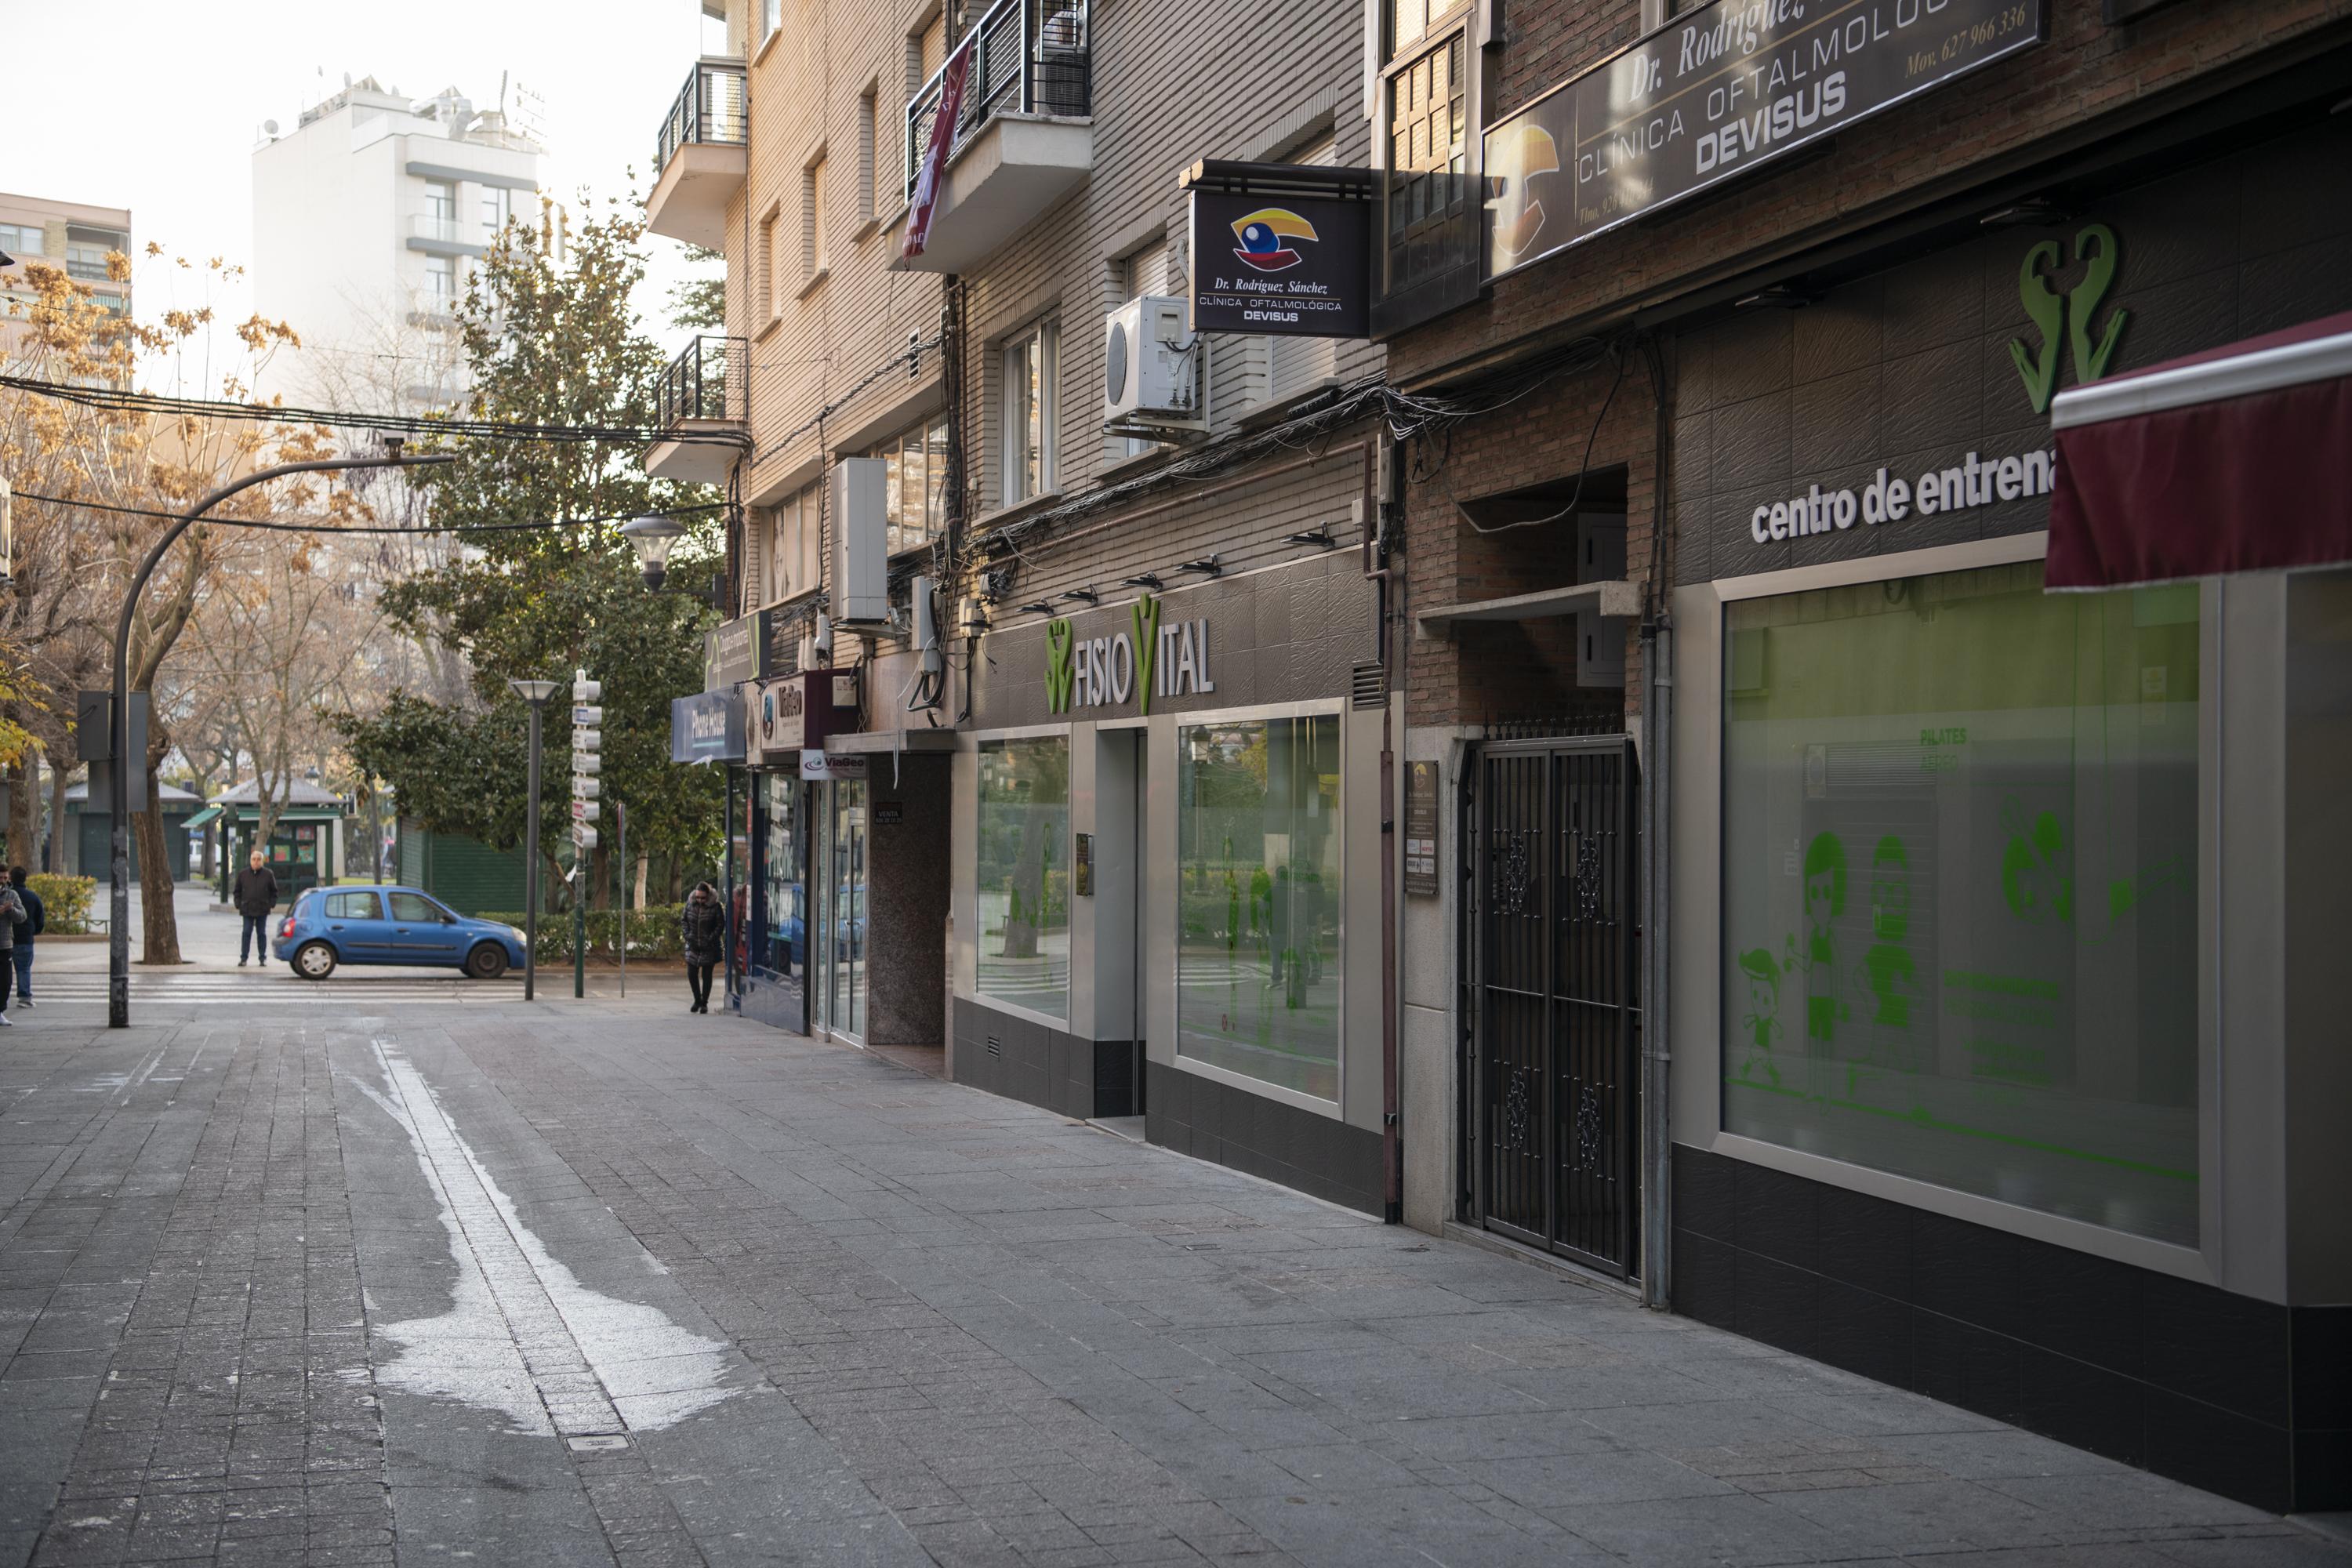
(587, 763)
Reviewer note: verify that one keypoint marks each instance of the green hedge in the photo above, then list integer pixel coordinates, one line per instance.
(653, 933)
(64, 901)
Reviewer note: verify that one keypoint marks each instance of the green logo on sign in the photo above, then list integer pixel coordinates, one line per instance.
(1146, 617)
(1061, 670)
(2049, 310)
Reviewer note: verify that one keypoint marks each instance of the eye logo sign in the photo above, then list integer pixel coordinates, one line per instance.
(1536, 153)
(1262, 235)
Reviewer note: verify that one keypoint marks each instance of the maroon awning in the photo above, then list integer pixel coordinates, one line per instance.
(2239, 459)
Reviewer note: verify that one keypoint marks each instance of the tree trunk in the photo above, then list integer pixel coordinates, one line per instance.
(24, 809)
(56, 818)
(159, 923)
(645, 866)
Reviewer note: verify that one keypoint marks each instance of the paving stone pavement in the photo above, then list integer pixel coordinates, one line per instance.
(383, 1280)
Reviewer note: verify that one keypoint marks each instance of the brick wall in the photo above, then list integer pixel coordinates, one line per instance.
(1493, 672)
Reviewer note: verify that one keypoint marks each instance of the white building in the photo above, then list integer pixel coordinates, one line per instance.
(365, 219)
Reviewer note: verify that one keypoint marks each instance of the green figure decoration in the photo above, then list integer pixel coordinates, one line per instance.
(1894, 977)
(1763, 1020)
(1824, 902)
(2034, 879)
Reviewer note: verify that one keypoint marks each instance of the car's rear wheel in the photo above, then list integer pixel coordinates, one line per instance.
(486, 961)
(314, 961)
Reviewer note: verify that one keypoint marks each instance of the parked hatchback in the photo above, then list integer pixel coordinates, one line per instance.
(332, 926)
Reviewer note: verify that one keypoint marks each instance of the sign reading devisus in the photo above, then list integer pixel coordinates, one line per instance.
(1714, 93)
(1281, 250)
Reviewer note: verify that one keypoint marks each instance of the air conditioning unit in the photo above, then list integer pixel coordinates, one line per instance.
(860, 587)
(1148, 372)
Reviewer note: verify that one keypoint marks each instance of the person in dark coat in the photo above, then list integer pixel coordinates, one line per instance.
(254, 894)
(36, 919)
(703, 925)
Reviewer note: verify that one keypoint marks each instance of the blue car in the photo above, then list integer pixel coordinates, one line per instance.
(332, 926)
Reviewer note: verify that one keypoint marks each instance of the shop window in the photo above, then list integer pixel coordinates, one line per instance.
(1024, 850)
(784, 940)
(1960, 888)
(1258, 846)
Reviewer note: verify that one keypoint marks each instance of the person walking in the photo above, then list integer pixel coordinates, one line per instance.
(12, 918)
(37, 920)
(254, 894)
(703, 925)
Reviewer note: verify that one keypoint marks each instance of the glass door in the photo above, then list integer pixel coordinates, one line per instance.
(844, 858)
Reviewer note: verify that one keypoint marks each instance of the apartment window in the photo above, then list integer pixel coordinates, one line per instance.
(868, 125)
(811, 528)
(914, 485)
(19, 239)
(1410, 21)
(86, 261)
(1430, 260)
(771, 16)
(441, 281)
(1294, 364)
(813, 238)
(1030, 393)
(498, 206)
(767, 267)
(1960, 887)
(441, 201)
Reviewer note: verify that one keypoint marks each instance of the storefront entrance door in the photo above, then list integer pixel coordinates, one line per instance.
(1551, 1073)
(840, 868)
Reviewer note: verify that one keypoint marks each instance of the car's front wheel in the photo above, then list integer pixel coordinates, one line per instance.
(314, 961)
(486, 961)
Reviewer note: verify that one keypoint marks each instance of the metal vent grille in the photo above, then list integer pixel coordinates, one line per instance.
(1367, 686)
(995, 1047)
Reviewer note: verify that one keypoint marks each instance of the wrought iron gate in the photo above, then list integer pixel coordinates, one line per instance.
(1554, 1079)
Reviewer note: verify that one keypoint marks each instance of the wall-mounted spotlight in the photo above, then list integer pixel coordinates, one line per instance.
(1778, 296)
(2034, 213)
(1085, 595)
(1041, 606)
(1142, 580)
(1206, 566)
(1321, 535)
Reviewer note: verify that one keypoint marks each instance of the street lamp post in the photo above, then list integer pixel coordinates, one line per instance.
(536, 693)
(117, 792)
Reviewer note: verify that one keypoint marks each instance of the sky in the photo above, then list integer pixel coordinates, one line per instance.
(157, 105)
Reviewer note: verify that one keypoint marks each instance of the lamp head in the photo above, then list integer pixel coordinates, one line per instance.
(652, 537)
(535, 692)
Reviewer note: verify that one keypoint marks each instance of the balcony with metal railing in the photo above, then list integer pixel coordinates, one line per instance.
(699, 155)
(1024, 136)
(701, 405)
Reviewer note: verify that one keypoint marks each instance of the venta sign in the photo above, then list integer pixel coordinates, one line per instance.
(1146, 660)
(1715, 92)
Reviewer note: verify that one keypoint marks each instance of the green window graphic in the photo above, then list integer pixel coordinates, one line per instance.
(1959, 887)
(1258, 845)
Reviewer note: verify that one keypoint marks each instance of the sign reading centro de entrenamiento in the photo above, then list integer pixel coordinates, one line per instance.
(1714, 93)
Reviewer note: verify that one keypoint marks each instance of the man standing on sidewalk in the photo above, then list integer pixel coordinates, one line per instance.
(254, 894)
(36, 918)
